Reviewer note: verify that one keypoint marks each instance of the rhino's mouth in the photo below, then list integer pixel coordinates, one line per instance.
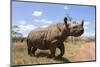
(79, 33)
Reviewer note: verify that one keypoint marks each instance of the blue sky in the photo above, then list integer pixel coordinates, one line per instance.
(29, 15)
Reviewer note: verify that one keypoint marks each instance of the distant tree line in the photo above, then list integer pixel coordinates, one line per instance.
(16, 35)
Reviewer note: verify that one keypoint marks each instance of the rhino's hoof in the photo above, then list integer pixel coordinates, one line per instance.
(51, 56)
(59, 56)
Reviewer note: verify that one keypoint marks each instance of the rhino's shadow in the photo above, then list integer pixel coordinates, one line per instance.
(64, 60)
(42, 54)
(47, 55)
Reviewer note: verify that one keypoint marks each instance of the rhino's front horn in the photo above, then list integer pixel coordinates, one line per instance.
(82, 23)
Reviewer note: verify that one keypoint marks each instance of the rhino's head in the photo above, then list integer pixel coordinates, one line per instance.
(73, 28)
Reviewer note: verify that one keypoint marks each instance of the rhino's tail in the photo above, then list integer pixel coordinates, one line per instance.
(23, 39)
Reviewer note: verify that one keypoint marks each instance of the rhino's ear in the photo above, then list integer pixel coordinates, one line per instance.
(65, 21)
(82, 23)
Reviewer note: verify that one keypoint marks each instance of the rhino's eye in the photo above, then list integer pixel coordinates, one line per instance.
(75, 27)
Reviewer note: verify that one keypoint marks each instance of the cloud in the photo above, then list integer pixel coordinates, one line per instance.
(36, 20)
(88, 34)
(25, 28)
(43, 21)
(88, 31)
(44, 26)
(86, 25)
(66, 7)
(37, 13)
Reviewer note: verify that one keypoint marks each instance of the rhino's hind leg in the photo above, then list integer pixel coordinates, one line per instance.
(33, 50)
(29, 50)
(29, 47)
(62, 50)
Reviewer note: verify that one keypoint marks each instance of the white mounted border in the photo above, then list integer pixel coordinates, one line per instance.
(85, 2)
(5, 33)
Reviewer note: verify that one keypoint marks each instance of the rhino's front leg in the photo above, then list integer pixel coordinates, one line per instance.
(52, 50)
(53, 47)
(62, 50)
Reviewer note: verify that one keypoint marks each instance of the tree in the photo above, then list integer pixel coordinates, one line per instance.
(15, 31)
(16, 36)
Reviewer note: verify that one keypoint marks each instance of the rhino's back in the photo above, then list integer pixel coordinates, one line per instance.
(37, 34)
(49, 33)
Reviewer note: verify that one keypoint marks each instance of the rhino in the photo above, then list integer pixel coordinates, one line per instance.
(53, 37)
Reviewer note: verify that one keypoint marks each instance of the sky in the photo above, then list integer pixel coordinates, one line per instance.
(31, 15)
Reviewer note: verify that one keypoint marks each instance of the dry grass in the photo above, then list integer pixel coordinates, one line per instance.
(73, 52)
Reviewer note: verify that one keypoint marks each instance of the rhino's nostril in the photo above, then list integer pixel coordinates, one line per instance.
(82, 31)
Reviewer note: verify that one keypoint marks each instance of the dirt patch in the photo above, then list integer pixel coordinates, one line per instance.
(85, 53)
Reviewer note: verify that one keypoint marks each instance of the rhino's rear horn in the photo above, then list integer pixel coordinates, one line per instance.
(65, 21)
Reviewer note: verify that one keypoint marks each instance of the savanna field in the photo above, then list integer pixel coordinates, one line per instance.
(75, 51)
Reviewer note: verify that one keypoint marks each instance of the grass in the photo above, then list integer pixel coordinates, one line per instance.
(20, 56)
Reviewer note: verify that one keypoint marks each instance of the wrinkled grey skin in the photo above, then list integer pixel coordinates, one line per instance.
(53, 37)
